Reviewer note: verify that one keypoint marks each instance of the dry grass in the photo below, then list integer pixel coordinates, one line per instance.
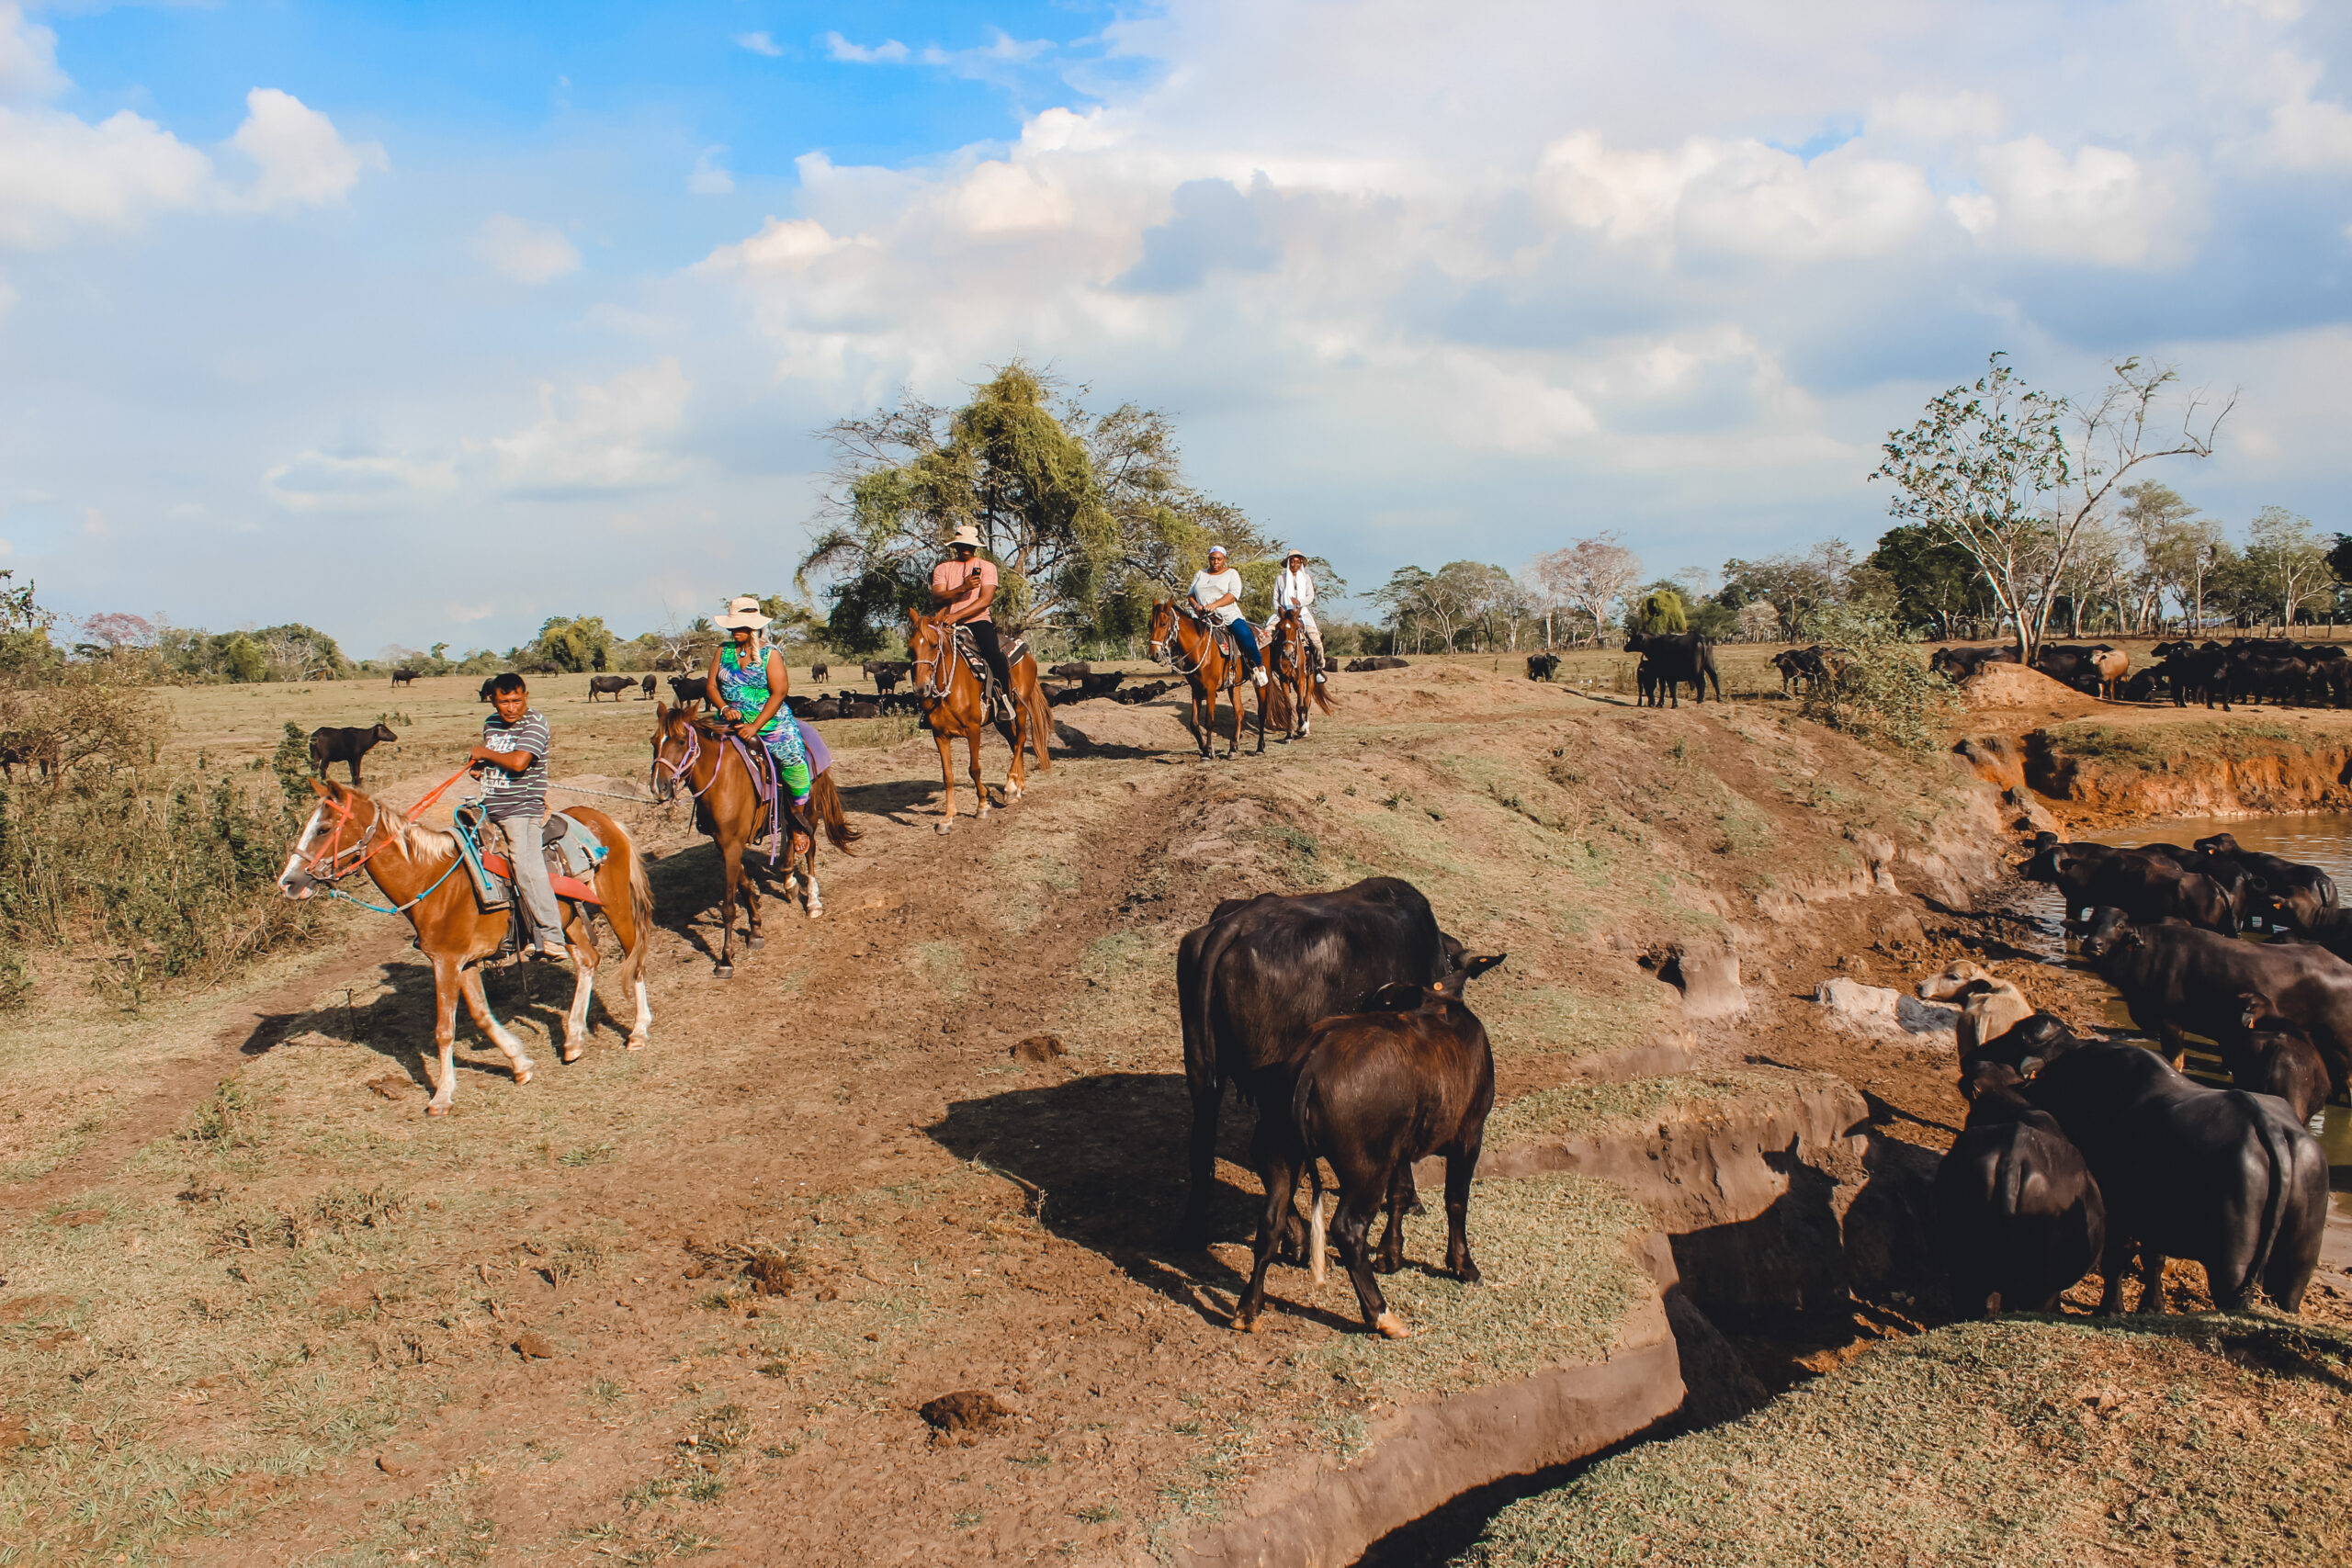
(2020, 1442)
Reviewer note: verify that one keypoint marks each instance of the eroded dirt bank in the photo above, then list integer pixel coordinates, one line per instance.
(834, 1189)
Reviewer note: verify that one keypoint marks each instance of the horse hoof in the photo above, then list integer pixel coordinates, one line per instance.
(637, 1042)
(1390, 1326)
(722, 971)
(1244, 1324)
(433, 1109)
(815, 911)
(523, 1071)
(944, 827)
(570, 1053)
(755, 944)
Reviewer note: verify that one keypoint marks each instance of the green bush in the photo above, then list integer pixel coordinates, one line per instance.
(1880, 689)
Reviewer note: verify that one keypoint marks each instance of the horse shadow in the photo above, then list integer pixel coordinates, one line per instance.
(891, 798)
(396, 1023)
(1103, 1157)
(690, 884)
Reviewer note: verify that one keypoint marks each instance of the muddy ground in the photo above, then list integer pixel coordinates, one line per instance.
(692, 1299)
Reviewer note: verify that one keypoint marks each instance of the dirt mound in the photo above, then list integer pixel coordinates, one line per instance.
(1102, 723)
(2015, 686)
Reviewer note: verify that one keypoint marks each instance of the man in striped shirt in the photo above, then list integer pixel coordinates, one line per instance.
(513, 752)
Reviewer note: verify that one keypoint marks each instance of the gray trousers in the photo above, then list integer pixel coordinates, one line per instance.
(531, 883)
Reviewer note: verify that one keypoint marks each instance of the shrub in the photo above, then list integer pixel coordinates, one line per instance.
(1880, 689)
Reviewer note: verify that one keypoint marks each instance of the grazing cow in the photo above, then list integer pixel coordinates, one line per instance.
(1254, 980)
(1806, 664)
(1989, 1006)
(2271, 1056)
(347, 745)
(2305, 890)
(2143, 885)
(405, 677)
(645, 689)
(1075, 670)
(820, 670)
(1377, 661)
(1410, 1076)
(886, 673)
(484, 695)
(2177, 979)
(2227, 1177)
(1957, 664)
(608, 685)
(689, 689)
(1677, 657)
(2018, 1213)
(1543, 666)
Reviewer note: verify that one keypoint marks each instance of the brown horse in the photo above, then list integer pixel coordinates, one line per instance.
(728, 807)
(954, 703)
(1294, 673)
(1187, 640)
(417, 869)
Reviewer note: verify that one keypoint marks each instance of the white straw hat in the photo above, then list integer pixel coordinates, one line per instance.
(965, 535)
(742, 612)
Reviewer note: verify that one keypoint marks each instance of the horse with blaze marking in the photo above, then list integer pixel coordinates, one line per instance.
(417, 869)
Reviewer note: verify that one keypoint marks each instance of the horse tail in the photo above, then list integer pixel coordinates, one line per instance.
(1277, 708)
(825, 805)
(1322, 699)
(640, 914)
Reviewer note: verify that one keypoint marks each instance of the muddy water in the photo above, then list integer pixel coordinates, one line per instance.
(2322, 838)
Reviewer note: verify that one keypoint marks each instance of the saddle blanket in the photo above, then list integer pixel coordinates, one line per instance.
(573, 853)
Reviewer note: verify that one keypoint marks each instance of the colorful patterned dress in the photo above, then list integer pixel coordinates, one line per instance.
(746, 691)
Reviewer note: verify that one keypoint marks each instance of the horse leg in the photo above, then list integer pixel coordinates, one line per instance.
(947, 781)
(1202, 719)
(444, 1034)
(469, 984)
(732, 854)
(972, 744)
(584, 990)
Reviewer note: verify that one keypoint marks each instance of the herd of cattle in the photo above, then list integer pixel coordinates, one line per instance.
(1341, 1017)
(2245, 670)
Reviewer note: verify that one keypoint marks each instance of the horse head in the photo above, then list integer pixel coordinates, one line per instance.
(1163, 628)
(677, 745)
(333, 839)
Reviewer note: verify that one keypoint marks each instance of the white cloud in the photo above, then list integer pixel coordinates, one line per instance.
(61, 175)
(466, 615)
(520, 252)
(320, 481)
(609, 441)
(1925, 116)
(891, 53)
(2305, 132)
(8, 297)
(758, 43)
(2102, 206)
(708, 179)
(303, 160)
(29, 73)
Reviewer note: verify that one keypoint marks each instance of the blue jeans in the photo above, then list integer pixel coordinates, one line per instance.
(1247, 636)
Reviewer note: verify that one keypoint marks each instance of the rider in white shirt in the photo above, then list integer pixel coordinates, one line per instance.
(1294, 589)
(1216, 589)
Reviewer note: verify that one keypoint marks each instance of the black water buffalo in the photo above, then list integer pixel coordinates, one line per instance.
(820, 670)
(886, 673)
(1410, 1076)
(2305, 888)
(645, 689)
(2143, 885)
(2019, 1216)
(1074, 670)
(405, 677)
(689, 689)
(484, 695)
(2271, 1056)
(2230, 877)
(1252, 983)
(1806, 664)
(2177, 979)
(1957, 664)
(608, 686)
(1543, 666)
(2227, 1177)
(2331, 929)
(1377, 661)
(347, 745)
(1677, 657)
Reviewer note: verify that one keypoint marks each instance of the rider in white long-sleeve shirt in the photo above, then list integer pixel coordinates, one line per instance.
(1294, 589)
(1216, 589)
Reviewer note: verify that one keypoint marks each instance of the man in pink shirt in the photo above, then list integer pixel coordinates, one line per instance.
(961, 590)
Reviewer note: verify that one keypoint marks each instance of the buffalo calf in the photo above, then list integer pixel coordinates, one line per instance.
(346, 744)
(2273, 1056)
(2017, 1212)
(1379, 1089)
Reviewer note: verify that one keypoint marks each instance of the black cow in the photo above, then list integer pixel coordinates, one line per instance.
(1410, 1076)
(2224, 1177)
(645, 689)
(689, 689)
(1806, 664)
(2018, 1214)
(608, 685)
(2271, 1056)
(1377, 661)
(1255, 979)
(2305, 890)
(886, 673)
(820, 670)
(1075, 670)
(1957, 664)
(484, 695)
(1677, 657)
(1543, 666)
(2143, 885)
(404, 677)
(2177, 979)
(347, 745)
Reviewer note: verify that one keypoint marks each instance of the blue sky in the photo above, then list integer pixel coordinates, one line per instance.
(423, 322)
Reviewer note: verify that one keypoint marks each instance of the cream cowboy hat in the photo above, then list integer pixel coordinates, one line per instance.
(1294, 555)
(742, 612)
(965, 535)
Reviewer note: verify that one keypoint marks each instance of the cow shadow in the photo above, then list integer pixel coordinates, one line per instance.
(396, 1023)
(1103, 1157)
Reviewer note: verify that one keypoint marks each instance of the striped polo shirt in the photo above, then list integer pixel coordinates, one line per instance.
(523, 794)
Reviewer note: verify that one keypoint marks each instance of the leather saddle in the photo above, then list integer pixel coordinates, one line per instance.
(573, 855)
(1000, 702)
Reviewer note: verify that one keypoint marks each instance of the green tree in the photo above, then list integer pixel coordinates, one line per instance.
(1880, 689)
(1076, 511)
(571, 645)
(1661, 610)
(241, 659)
(2286, 558)
(25, 647)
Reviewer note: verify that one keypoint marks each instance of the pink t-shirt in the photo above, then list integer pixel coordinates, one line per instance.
(951, 573)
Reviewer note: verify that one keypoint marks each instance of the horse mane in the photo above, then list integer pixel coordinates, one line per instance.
(414, 839)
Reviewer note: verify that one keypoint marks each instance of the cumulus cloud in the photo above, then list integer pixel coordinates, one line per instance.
(2101, 206)
(758, 43)
(522, 251)
(29, 73)
(302, 159)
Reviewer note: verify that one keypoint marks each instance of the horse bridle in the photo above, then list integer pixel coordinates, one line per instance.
(680, 770)
(325, 864)
(934, 687)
